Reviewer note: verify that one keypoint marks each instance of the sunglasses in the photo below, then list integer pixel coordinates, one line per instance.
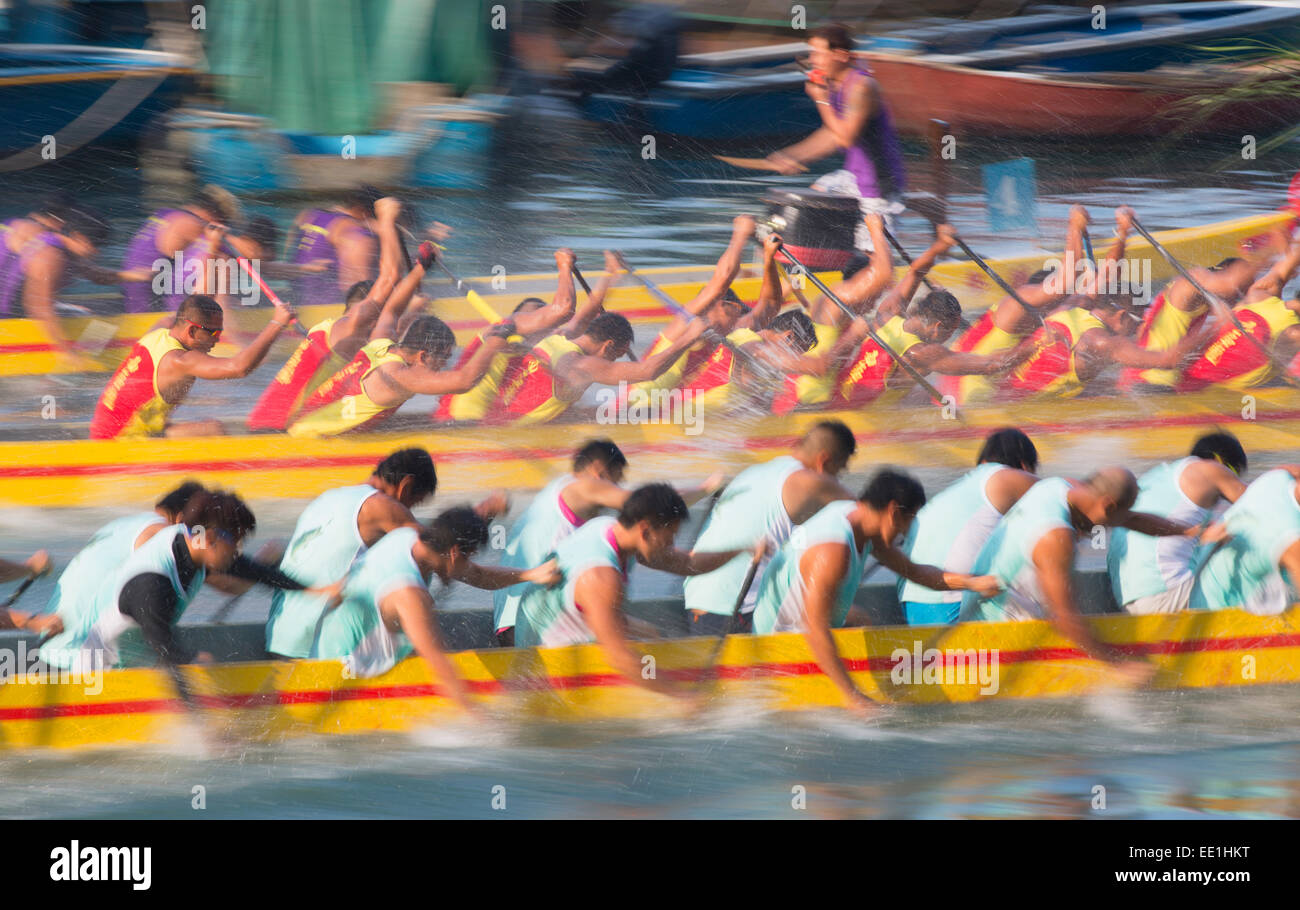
(215, 333)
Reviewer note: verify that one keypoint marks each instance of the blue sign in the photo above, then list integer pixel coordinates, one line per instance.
(1010, 189)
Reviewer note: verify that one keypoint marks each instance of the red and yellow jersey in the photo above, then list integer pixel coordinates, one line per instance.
(311, 364)
(812, 390)
(984, 337)
(867, 374)
(688, 363)
(475, 404)
(1163, 327)
(1232, 359)
(713, 384)
(528, 394)
(1052, 369)
(341, 403)
(132, 404)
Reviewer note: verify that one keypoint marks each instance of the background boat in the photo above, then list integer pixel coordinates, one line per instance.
(1038, 68)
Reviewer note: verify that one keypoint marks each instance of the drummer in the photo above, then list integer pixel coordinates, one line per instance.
(855, 120)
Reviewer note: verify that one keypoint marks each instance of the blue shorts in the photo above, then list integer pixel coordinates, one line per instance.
(922, 614)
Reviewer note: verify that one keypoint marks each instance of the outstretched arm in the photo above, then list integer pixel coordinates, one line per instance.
(724, 273)
(896, 301)
(562, 305)
(412, 608)
(770, 297)
(598, 369)
(204, 366)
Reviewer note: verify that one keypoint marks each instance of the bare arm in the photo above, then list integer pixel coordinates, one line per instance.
(36, 564)
(179, 364)
(1053, 557)
(770, 297)
(39, 291)
(356, 324)
(598, 369)
(935, 358)
(594, 305)
(858, 292)
(587, 493)
(820, 144)
(412, 608)
(1271, 284)
(492, 578)
(724, 272)
(444, 382)
(679, 562)
(932, 576)
(1156, 525)
(823, 567)
(896, 301)
(562, 305)
(599, 591)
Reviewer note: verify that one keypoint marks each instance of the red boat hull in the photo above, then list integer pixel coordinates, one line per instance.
(990, 102)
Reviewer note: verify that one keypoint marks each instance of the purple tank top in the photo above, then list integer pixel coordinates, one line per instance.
(13, 268)
(138, 296)
(314, 244)
(192, 261)
(876, 159)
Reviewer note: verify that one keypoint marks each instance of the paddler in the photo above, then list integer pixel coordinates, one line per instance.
(588, 605)
(534, 320)
(168, 232)
(1257, 568)
(1076, 345)
(855, 120)
(34, 566)
(814, 384)
(719, 306)
(773, 497)
(331, 343)
(387, 612)
(1234, 361)
(337, 527)
(159, 371)
(953, 527)
(342, 238)
(1031, 554)
(136, 609)
(386, 373)
(557, 372)
(39, 254)
(1155, 574)
(1007, 323)
(1180, 308)
(812, 580)
(559, 509)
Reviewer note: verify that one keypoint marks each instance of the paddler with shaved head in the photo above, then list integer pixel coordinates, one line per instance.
(771, 498)
(340, 525)
(1155, 574)
(534, 320)
(387, 612)
(588, 605)
(812, 580)
(953, 527)
(160, 370)
(559, 509)
(1032, 550)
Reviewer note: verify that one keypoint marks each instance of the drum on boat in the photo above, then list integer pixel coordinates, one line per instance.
(817, 227)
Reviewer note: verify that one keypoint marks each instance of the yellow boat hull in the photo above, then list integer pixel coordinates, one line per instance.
(25, 348)
(475, 459)
(274, 700)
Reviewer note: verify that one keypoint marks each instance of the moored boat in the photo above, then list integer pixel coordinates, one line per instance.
(262, 700)
(26, 350)
(1030, 74)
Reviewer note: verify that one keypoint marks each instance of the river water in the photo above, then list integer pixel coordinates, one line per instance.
(1187, 754)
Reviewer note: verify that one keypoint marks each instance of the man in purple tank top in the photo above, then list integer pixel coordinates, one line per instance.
(38, 256)
(856, 121)
(342, 240)
(167, 232)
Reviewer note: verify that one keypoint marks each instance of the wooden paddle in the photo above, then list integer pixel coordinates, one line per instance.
(1215, 301)
(247, 266)
(898, 248)
(934, 211)
(755, 164)
(920, 380)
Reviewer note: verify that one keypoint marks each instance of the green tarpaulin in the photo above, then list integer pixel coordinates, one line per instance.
(312, 65)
